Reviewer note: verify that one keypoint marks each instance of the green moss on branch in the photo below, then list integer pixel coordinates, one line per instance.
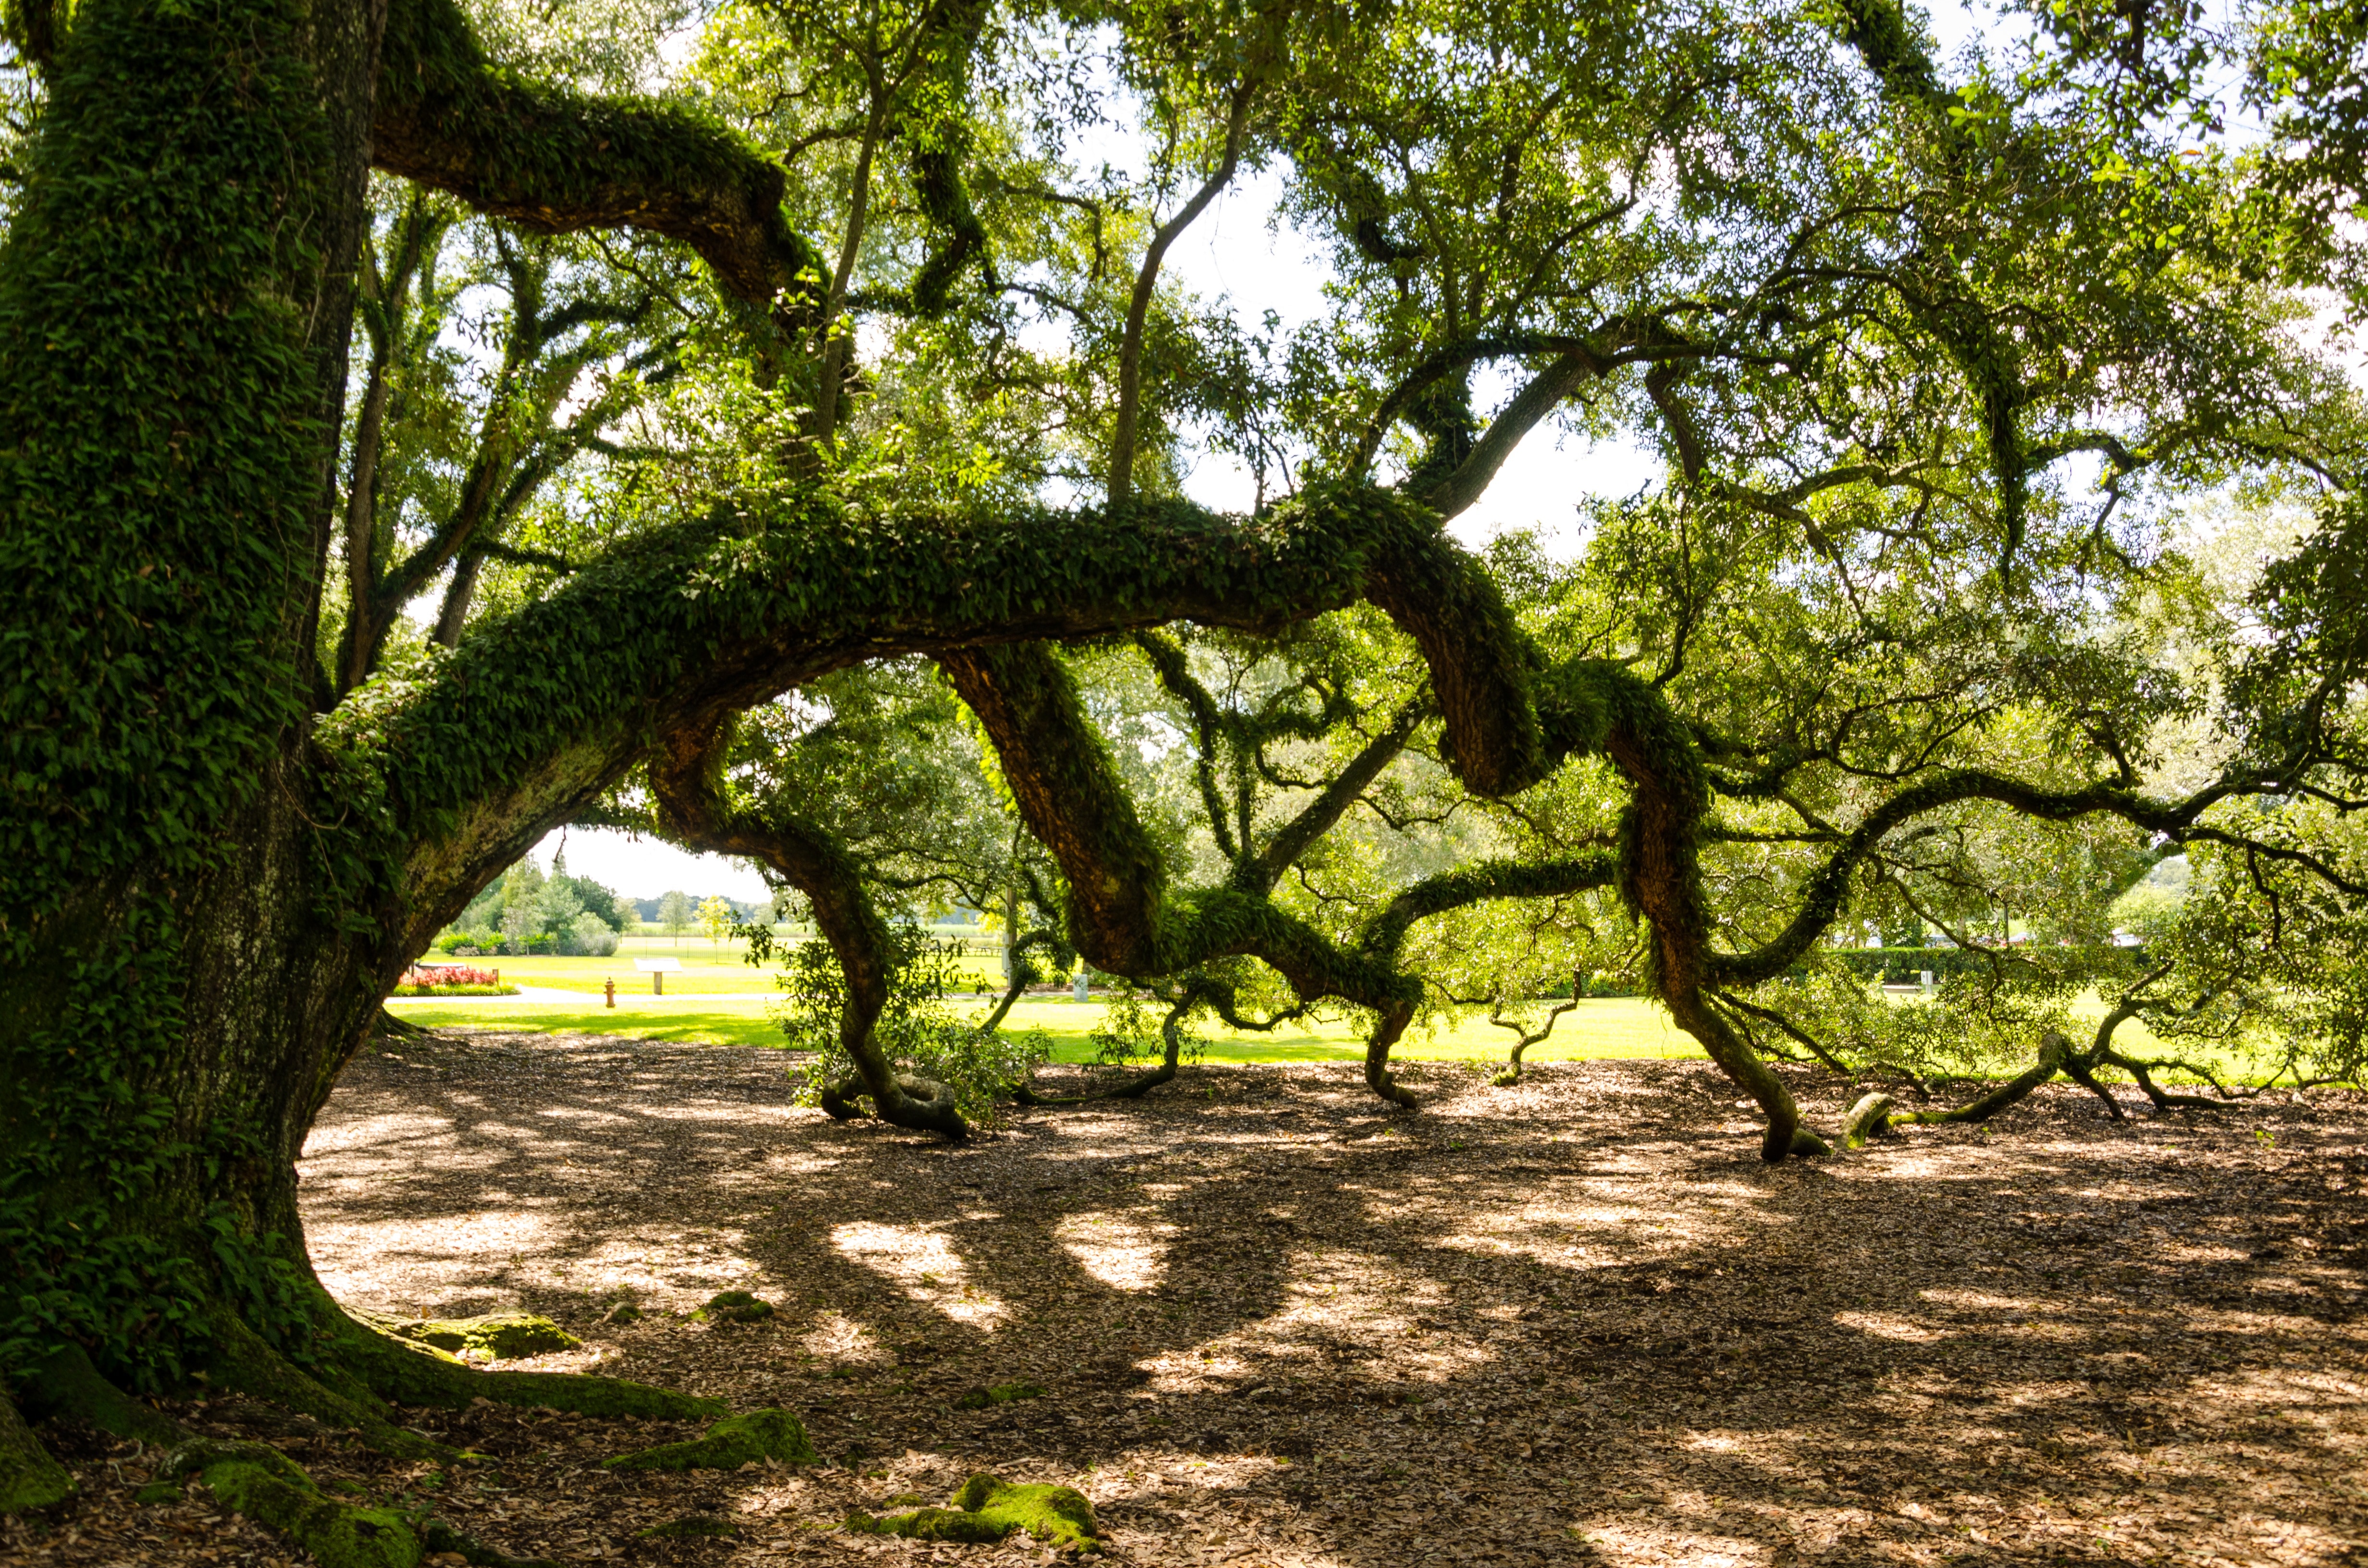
(557, 161)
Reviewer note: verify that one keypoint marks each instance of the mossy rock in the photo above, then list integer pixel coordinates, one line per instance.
(731, 1442)
(987, 1509)
(267, 1486)
(734, 1306)
(1001, 1393)
(495, 1336)
(688, 1527)
(158, 1492)
(623, 1314)
(932, 1524)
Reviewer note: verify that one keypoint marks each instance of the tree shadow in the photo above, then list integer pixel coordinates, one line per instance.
(1573, 1316)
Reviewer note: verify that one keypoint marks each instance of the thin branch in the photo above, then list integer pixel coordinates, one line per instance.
(1146, 278)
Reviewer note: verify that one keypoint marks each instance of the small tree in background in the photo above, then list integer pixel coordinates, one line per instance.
(674, 914)
(716, 917)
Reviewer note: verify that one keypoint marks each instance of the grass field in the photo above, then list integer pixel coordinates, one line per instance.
(718, 997)
(709, 969)
(1606, 1027)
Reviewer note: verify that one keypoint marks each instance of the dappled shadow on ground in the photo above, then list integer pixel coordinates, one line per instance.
(1574, 1320)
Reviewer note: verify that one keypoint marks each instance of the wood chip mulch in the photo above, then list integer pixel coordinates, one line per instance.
(1572, 1322)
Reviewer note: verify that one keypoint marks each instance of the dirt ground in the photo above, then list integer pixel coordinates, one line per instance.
(1574, 1322)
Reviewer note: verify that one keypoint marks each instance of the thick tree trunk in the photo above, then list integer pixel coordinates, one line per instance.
(172, 1006)
(195, 932)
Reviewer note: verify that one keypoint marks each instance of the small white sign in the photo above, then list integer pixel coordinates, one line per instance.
(658, 966)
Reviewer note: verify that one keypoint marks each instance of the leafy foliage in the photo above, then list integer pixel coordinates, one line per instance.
(917, 1030)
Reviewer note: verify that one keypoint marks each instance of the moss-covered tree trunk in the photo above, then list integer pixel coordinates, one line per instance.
(175, 298)
(197, 922)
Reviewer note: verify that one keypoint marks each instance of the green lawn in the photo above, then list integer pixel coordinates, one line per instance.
(719, 998)
(709, 969)
(1606, 1027)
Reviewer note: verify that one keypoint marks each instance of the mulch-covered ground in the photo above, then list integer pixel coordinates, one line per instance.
(1573, 1321)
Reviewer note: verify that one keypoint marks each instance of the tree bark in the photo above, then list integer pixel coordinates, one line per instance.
(198, 915)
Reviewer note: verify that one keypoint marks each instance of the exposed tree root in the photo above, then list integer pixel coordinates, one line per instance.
(268, 1487)
(358, 1366)
(760, 1436)
(987, 1509)
(408, 1373)
(252, 1478)
(925, 1103)
(1877, 1114)
(336, 1390)
(64, 1384)
(29, 1478)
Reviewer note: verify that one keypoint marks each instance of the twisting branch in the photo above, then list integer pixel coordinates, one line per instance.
(551, 160)
(1450, 359)
(1523, 1036)
(1332, 803)
(686, 783)
(1769, 1016)
(1546, 391)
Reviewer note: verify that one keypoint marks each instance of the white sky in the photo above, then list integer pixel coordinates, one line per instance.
(648, 868)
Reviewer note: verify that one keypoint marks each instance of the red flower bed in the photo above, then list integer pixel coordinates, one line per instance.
(449, 974)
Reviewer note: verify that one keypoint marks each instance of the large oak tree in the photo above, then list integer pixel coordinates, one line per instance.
(1925, 358)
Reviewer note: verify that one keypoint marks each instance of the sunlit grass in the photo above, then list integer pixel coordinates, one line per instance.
(709, 969)
(1602, 1027)
(718, 999)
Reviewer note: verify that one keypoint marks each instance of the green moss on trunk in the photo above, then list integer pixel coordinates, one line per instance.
(494, 1336)
(29, 1478)
(65, 1383)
